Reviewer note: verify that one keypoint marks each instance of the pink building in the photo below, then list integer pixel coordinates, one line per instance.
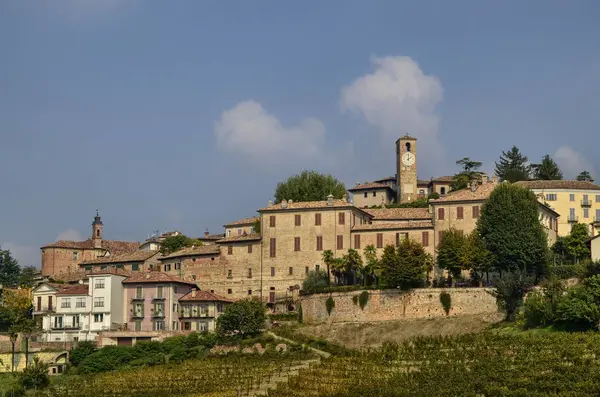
(152, 301)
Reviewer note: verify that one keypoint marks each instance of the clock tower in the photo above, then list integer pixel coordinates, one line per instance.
(406, 169)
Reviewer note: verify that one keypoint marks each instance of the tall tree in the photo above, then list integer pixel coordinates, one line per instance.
(467, 174)
(405, 266)
(513, 166)
(27, 276)
(450, 252)
(309, 186)
(175, 243)
(328, 259)
(576, 242)
(372, 266)
(9, 269)
(510, 228)
(585, 176)
(476, 256)
(547, 170)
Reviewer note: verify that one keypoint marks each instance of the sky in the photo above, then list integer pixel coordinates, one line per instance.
(184, 115)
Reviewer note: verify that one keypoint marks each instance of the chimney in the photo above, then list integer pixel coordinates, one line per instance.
(206, 233)
(357, 183)
(194, 293)
(270, 203)
(473, 186)
(345, 198)
(284, 204)
(330, 200)
(290, 202)
(484, 179)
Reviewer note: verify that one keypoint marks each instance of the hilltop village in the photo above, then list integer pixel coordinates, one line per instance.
(266, 256)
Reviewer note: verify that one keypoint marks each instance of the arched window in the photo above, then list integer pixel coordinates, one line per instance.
(443, 190)
(408, 146)
(97, 232)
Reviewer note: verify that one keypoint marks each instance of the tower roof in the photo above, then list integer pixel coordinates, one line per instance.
(97, 219)
(406, 138)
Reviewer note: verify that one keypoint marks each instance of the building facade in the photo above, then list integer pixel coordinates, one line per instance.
(370, 194)
(199, 310)
(138, 261)
(71, 321)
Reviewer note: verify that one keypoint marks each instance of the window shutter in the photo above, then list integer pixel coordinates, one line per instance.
(230, 250)
(475, 211)
(357, 241)
(459, 213)
(342, 218)
(272, 221)
(272, 248)
(425, 239)
(441, 214)
(340, 242)
(319, 243)
(296, 243)
(379, 240)
(297, 220)
(317, 219)
(250, 248)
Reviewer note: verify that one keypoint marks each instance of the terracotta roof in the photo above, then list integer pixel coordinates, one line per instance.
(245, 221)
(309, 205)
(70, 277)
(368, 186)
(56, 286)
(481, 193)
(399, 213)
(422, 182)
(568, 185)
(243, 237)
(193, 251)
(212, 237)
(394, 226)
(81, 289)
(137, 256)
(110, 270)
(114, 246)
(389, 178)
(202, 296)
(445, 178)
(154, 277)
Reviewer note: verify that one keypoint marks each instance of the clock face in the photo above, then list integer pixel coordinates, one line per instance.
(408, 159)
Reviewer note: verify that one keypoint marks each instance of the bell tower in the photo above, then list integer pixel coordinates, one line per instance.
(97, 231)
(406, 169)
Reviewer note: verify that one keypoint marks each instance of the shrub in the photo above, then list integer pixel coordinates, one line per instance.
(329, 304)
(564, 272)
(300, 317)
(315, 280)
(81, 351)
(446, 301)
(243, 317)
(291, 316)
(510, 290)
(35, 376)
(363, 298)
(537, 310)
(355, 300)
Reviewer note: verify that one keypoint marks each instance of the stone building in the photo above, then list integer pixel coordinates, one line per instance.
(370, 194)
(241, 227)
(63, 257)
(137, 261)
(199, 310)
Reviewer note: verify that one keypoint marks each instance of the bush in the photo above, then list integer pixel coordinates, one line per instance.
(315, 280)
(537, 310)
(300, 316)
(329, 305)
(243, 317)
(580, 307)
(363, 298)
(35, 376)
(81, 351)
(291, 316)
(446, 301)
(510, 290)
(564, 272)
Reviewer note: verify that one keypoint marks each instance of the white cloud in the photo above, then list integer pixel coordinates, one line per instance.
(70, 235)
(398, 98)
(571, 162)
(26, 255)
(249, 129)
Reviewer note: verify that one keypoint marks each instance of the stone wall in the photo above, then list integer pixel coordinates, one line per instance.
(397, 305)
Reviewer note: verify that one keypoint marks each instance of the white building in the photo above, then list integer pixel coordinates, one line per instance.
(71, 320)
(107, 301)
(44, 304)
(595, 247)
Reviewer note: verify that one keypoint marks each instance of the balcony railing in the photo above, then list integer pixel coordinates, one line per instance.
(573, 218)
(44, 309)
(137, 316)
(137, 298)
(66, 327)
(197, 315)
(158, 298)
(80, 305)
(586, 203)
(158, 314)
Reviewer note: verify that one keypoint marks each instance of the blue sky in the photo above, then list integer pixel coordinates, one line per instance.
(185, 114)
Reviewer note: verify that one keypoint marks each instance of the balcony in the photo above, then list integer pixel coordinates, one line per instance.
(158, 298)
(43, 309)
(66, 327)
(138, 298)
(158, 314)
(586, 203)
(573, 219)
(137, 315)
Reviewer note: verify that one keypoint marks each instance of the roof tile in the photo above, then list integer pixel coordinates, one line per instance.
(394, 226)
(559, 184)
(245, 221)
(202, 296)
(137, 256)
(482, 192)
(81, 289)
(243, 237)
(368, 186)
(210, 249)
(114, 246)
(309, 205)
(399, 213)
(154, 277)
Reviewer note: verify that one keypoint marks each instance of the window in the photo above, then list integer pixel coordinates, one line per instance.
(460, 213)
(138, 310)
(175, 326)
(219, 307)
(425, 239)
(229, 291)
(443, 190)
(340, 242)
(318, 219)
(228, 233)
(99, 317)
(178, 265)
(272, 247)
(229, 273)
(572, 214)
(297, 220)
(597, 216)
(230, 250)
(571, 197)
(272, 272)
(202, 326)
(306, 270)
(39, 303)
(374, 194)
(551, 197)
(174, 307)
(366, 194)
(158, 326)
(408, 146)
(586, 199)
(138, 292)
(357, 241)
(135, 267)
(58, 322)
(296, 243)
(75, 255)
(586, 212)
(249, 248)
(422, 192)
(167, 267)
(240, 231)
(441, 214)
(440, 236)
(49, 303)
(99, 301)
(65, 303)
(341, 218)
(475, 211)
(291, 271)
(272, 221)
(159, 291)
(317, 268)
(319, 243)
(598, 198)
(249, 292)
(80, 302)
(249, 273)
(379, 240)
(397, 239)
(99, 283)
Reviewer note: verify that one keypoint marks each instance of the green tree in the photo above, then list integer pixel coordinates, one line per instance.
(576, 242)
(175, 243)
(585, 176)
(9, 269)
(372, 267)
(245, 317)
(315, 280)
(256, 226)
(309, 186)
(27, 276)
(328, 259)
(547, 170)
(352, 265)
(81, 351)
(35, 376)
(560, 248)
(405, 266)
(510, 228)
(511, 289)
(476, 257)
(513, 166)
(450, 252)
(467, 174)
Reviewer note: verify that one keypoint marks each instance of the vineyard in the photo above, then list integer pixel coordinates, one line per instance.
(484, 364)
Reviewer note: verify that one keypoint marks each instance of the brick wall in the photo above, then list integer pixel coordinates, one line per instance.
(396, 305)
(57, 261)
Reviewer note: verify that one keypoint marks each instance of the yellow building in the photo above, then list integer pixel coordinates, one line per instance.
(575, 201)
